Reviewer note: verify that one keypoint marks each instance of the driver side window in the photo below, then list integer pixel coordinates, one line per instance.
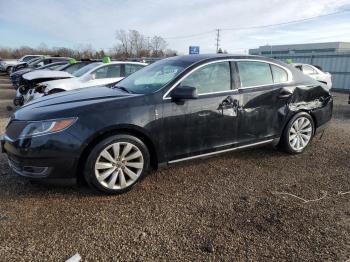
(100, 73)
(211, 78)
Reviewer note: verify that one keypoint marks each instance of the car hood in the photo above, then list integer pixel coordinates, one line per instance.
(65, 84)
(42, 74)
(21, 72)
(64, 103)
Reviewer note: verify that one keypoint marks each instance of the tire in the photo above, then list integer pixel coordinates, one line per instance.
(8, 69)
(294, 140)
(112, 175)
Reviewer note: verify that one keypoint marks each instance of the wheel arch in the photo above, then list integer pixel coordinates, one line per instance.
(297, 112)
(122, 129)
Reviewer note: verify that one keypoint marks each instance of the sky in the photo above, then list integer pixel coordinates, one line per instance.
(75, 23)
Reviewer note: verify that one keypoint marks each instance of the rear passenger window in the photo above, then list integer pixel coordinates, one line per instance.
(211, 78)
(254, 73)
(279, 75)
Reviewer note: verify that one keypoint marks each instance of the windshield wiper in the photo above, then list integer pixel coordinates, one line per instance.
(123, 88)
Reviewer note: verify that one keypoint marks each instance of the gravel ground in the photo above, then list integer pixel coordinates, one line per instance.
(224, 208)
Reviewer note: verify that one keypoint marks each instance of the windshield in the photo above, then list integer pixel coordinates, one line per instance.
(85, 69)
(153, 77)
(32, 61)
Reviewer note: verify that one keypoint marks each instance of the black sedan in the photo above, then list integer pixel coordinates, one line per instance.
(174, 110)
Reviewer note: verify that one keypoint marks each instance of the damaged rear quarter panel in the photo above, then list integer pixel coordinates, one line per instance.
(314, 99)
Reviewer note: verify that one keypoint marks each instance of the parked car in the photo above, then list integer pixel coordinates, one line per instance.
(173, 110)
(38, 62)
(17, 77)
(7, 64)
(316, 73)
(94, 74)
(31, 80)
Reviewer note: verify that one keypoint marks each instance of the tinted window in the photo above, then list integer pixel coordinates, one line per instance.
(85, 69)
(131, 68)
(113, 71)
(28, 58)
(73, 67)
(279, 75)
(254, 73)
(110, 71)
(153, 77)
(210, 78)
(101, 72)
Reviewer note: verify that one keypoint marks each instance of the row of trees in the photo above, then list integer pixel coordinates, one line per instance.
(134, 44)
(129, 44)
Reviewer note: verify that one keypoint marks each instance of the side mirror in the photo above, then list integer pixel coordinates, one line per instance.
(184, 92)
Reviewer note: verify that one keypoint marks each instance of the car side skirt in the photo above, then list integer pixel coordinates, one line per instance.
(269, 141)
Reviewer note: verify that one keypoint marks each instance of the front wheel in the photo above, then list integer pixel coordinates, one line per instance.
(116, 164)
(298, 133)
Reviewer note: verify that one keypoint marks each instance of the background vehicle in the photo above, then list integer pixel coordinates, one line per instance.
(7, 64)
(174, 110)
(29, 81)
(17, 79)
(94, 74)
(316, 73)
(38, 63)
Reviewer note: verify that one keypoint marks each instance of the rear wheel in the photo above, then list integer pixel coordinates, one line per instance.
(116, 164)
(298, 133)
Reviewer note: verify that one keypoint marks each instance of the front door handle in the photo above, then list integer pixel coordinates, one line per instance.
(228, 103)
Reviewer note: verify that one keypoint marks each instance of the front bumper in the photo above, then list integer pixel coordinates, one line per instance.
(49, 158)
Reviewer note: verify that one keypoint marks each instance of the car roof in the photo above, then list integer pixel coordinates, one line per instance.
(192, 59)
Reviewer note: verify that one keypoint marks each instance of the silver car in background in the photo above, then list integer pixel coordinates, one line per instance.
(316, 73)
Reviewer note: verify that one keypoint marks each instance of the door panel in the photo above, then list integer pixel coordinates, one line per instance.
(261, 113)
(198, 126)
(262, 99)
(207, 123)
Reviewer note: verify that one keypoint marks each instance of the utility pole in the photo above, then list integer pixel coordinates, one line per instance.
(217, 39)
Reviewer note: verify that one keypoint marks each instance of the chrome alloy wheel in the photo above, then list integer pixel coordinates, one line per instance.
(300, 133)
(119, 165)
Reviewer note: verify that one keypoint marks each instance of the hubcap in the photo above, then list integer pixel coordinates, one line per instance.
(300, 133)
(119, 165)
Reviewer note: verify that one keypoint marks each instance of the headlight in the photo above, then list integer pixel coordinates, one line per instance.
(38, 128)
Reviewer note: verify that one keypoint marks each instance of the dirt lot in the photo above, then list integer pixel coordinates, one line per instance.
(224, 208)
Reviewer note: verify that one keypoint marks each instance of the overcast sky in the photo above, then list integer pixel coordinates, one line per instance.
(71, 23)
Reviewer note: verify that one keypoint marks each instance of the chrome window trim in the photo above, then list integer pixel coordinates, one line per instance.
(220, 151)
(289, 73)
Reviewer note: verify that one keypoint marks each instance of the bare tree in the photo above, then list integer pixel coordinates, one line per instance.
(158, 45)
(135, 44)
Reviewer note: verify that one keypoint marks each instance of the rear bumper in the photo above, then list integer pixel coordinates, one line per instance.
(323, 115)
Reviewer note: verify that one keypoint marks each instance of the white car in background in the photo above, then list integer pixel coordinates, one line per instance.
(7, 64)
(316, 73)
(93, 74)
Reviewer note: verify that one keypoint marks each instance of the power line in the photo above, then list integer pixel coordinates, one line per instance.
(258, 26)
(285, 23)
(190, 36)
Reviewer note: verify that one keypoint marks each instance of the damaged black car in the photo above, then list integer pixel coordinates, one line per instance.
(176, 109)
